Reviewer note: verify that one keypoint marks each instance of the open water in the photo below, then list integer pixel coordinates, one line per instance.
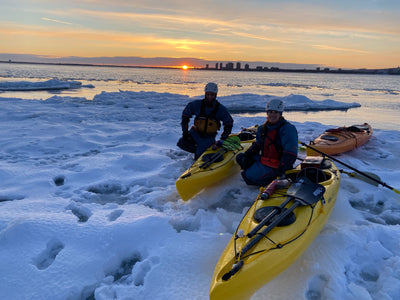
(379, 95)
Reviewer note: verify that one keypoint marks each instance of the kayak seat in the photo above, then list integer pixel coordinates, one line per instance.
(355, 128)
(246, 136)
(336, 130)
(314, 174)
(330, 138)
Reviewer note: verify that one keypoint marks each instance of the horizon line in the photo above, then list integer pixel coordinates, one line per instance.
(182, 67)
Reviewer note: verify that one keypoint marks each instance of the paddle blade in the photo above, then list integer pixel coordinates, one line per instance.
(305, 191)
(364, 178)
(374, 180)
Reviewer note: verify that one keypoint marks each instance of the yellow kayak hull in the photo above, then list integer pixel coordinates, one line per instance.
(195, 179)
(267, 259)
(341, 139)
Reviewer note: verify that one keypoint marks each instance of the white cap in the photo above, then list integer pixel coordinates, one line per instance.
(211, 87)
(275, 104)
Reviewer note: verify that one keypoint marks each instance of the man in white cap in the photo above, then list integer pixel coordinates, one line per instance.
(273, 152)
(209, 115)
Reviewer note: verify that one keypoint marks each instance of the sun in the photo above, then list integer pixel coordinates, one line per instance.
(185, 67)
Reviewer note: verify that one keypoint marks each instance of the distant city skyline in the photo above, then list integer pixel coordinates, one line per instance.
(186, 63)
(336, 34)
(145, 62)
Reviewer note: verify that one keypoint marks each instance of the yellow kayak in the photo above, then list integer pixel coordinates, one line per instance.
(213, 166)
(275, 232)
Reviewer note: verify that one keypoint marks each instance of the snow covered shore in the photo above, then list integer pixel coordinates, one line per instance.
(88, 206)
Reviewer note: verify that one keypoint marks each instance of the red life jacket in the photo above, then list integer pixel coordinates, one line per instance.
(271, 151)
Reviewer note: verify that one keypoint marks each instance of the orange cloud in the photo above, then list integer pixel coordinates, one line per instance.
(56, 21)
(326, 47)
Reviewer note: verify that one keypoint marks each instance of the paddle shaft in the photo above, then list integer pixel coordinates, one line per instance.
(350, 167)
(278, 218)
(268, 217)
(213, 158)
(220, 153)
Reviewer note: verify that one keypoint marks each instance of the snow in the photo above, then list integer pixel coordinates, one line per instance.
(89, 208)
(51, 84)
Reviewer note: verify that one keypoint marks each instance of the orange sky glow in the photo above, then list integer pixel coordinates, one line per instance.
(343, 34)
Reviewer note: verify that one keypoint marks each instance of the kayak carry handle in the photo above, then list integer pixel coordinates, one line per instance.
(236, 267)
(186, 175)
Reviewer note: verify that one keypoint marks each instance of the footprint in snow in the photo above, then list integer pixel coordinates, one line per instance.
(4, 198)
(82, 213)
(377, 209)
(123, 274)
(133, 269)
(115, 215)
(316, 287)
(59, 180)
(47, 257)
(108, 192)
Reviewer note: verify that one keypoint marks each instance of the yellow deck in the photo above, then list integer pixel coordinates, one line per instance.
(195, 179)
(259, 269)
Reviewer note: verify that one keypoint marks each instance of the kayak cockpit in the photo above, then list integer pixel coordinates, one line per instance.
(315, 168)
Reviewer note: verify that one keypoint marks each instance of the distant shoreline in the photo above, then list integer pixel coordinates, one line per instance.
(389, 71)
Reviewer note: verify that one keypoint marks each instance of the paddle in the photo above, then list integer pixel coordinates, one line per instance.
(372, 178)
(269, 217)
(230, 144)
(304, 192)
(358, 176)
(363, 178)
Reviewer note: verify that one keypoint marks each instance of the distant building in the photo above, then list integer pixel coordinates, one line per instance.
(229, 66)
(216, 66)
(220, 66)
(238, 66)
(246, 67)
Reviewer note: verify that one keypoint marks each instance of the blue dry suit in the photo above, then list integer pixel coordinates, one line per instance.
(273, 152)
(203, 136)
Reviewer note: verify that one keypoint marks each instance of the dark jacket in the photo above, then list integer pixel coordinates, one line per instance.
(221, 114)
(276, 144)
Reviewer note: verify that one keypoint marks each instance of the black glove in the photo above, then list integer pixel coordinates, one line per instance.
(186, 135)
(244, 161)
(253, 150)
(280, 172)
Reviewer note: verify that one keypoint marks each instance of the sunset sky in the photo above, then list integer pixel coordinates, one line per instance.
(340, 33)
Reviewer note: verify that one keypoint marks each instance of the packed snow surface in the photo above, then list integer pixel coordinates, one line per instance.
(89, 208)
